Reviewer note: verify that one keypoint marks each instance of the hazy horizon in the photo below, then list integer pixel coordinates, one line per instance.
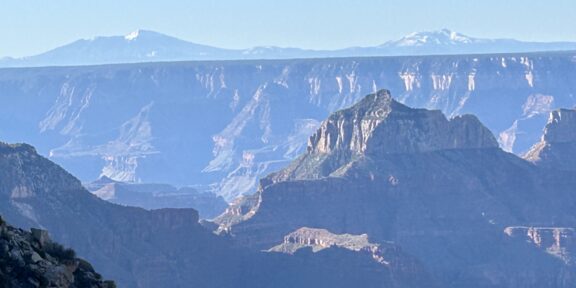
(37, 26)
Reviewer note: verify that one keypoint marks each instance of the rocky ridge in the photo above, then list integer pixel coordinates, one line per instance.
(31, 259)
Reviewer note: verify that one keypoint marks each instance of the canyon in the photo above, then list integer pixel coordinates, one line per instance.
(222, 125)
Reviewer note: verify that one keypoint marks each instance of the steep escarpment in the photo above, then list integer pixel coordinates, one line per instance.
(31, 259)
(439, 188)
(238, 121)
(557, 147)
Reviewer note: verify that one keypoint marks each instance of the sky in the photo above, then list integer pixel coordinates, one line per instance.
(29, 27)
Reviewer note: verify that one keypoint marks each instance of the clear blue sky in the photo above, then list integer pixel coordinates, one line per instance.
(31, 26)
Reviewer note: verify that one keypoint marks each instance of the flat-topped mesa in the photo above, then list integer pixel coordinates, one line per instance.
(380, 125)
(316, 239)
(319, 239)
(557, 147)
(406, 269)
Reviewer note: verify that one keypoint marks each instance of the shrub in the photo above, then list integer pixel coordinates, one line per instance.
(59, 252)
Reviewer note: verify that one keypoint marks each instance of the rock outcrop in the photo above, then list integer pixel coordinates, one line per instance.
(31, 259)
(557, 147)
(367, 128)
(378, 126)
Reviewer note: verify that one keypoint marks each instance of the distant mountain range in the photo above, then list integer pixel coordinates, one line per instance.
(150, 46)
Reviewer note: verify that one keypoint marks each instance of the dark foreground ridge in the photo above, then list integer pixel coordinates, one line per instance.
(31, 259)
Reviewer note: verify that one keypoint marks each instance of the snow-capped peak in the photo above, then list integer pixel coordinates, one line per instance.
(439, 37)
(457, 37)
(132, 35)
